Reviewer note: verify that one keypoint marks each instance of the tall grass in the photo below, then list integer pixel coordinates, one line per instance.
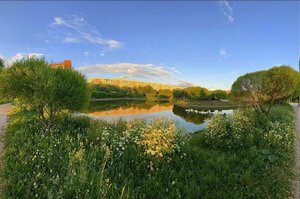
(245, 155)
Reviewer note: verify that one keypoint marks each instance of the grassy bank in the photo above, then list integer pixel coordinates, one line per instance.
(245, 155)
(4, 101)
(117, 99)
(207, 104)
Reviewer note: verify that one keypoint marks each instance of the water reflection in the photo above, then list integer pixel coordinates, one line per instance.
(191, 119)
(190, 115)
(106, 108)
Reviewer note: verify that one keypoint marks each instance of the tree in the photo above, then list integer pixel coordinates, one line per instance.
(179, 93)
(217, 95)
(263, 89)
(296, 93)
(197, 92)
(46, 90)
(1, 64)
(165, 94)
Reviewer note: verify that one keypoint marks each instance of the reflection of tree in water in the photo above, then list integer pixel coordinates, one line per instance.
(116, 104)
(195, 118)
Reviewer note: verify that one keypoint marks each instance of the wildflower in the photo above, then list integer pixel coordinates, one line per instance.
(158, 138)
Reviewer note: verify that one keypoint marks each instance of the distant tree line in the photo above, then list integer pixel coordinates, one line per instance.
(192, 93)
(111, 91)
(199, 93)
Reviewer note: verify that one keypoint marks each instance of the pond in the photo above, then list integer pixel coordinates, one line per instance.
(190, 119)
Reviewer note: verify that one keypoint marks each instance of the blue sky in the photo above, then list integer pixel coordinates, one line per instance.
(204, 43)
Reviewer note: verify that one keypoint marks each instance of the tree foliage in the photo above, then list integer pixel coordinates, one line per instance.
(44, 89)
(265, 88)
(165, 94)
(199, 93)
(1, 64)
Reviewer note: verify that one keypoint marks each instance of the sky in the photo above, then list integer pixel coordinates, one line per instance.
(205, 43)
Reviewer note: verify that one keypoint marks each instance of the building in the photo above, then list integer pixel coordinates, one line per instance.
(131, 83)
(67, 64)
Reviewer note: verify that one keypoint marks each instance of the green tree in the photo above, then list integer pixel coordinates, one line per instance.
(197, 93)
(44, 89)
(1, 64)
(217, 95)
(179, 93)
(165, 94)
(263, 89)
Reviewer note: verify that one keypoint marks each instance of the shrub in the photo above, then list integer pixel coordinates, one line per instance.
(264, 89)
(248, 127)
(48, 91)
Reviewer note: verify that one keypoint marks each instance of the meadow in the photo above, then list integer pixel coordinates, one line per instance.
(243, 155)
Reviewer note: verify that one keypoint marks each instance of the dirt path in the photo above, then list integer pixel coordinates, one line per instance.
(4, 109)
(297, 181)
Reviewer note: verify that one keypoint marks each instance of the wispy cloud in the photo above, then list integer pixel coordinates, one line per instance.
(147, 71)
(223, 53)
(227, 10)
(70, 40)
(77, 29)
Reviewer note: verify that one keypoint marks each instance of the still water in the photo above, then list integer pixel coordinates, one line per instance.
(191, 120)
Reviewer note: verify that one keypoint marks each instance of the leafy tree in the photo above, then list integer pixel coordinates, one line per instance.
(296, 93)
(106, 91)
(44, 89)
(165, 94)
(1, 64)
(263, 89)
(197, 92)
(179, 93)
(217, 95)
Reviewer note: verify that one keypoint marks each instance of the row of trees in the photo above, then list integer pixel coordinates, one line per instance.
(263, 89)
(46, 90)
(192, 93)
(111, 91)
(199, 93)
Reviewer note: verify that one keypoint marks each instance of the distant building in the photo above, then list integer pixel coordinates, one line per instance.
(131, 83)
(67, 64)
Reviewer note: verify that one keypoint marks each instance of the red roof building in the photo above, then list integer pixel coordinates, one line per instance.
(67, 64)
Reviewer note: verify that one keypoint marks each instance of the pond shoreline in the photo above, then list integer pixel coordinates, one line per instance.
(116, 99)
(207, 104)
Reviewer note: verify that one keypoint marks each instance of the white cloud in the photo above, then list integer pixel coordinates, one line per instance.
(70, 40)
(20, 56)
(113, 44)
(223, 53)
(2, 57)
(79, 29)
(102, 54)
(185, 84)
(147, 71)
(227, 10)
(58, 21)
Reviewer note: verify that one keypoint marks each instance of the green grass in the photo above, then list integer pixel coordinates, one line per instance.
(242, 156)
(207, 104)
(4, 101)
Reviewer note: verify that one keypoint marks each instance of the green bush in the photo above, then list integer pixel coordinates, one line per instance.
(264, 89)
(47, 90)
